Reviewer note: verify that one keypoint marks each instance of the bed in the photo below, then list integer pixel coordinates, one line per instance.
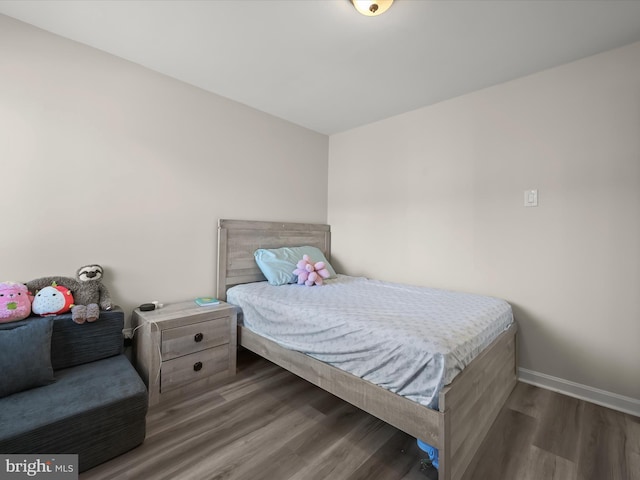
(466, 407)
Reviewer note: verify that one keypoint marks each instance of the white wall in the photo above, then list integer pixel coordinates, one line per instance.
(435, 197)
(104, 161)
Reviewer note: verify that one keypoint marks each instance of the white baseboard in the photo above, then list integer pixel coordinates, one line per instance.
(583, 392)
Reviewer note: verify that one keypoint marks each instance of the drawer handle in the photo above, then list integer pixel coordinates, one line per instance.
(197, 366)
(198, 337)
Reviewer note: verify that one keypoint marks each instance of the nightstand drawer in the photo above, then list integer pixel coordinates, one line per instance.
(196, 366)
(180, 341)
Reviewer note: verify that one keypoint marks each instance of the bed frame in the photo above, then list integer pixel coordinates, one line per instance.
(467, 407)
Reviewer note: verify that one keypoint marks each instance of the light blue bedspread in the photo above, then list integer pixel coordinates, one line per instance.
(409, 340)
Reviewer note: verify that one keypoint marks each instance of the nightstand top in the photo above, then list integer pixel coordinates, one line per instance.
(184, 309)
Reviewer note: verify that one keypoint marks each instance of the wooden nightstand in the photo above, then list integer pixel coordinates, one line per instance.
(183, 347)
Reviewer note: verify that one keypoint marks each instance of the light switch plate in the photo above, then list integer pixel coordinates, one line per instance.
(531, 198)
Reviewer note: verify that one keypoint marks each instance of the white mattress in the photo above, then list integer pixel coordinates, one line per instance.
(409, 340)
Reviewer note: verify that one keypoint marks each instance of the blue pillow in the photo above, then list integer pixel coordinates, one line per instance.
(278, 264)
(25, 356)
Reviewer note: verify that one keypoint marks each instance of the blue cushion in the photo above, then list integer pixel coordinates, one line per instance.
(25, 356)
(278, 264)
(73, 344)
(96, 410)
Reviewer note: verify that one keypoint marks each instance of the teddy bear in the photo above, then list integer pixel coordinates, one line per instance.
(310, 273)
(89, 292)
(15, 303)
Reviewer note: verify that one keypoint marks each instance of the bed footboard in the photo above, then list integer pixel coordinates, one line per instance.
(474, 399)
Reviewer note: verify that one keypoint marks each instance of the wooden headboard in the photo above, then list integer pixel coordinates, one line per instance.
(238, 239)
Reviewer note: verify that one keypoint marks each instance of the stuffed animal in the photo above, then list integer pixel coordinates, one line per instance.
(310, 273)
(52, 300)
(89, 292)
(15, 303)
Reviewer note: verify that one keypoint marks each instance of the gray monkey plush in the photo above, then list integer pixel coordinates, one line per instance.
(89, 293)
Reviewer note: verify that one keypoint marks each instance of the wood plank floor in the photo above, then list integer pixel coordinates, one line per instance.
(265, 423)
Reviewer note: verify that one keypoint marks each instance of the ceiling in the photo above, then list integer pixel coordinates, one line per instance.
(321, 65)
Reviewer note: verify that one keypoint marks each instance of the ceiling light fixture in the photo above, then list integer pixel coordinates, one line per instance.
(372, 8)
